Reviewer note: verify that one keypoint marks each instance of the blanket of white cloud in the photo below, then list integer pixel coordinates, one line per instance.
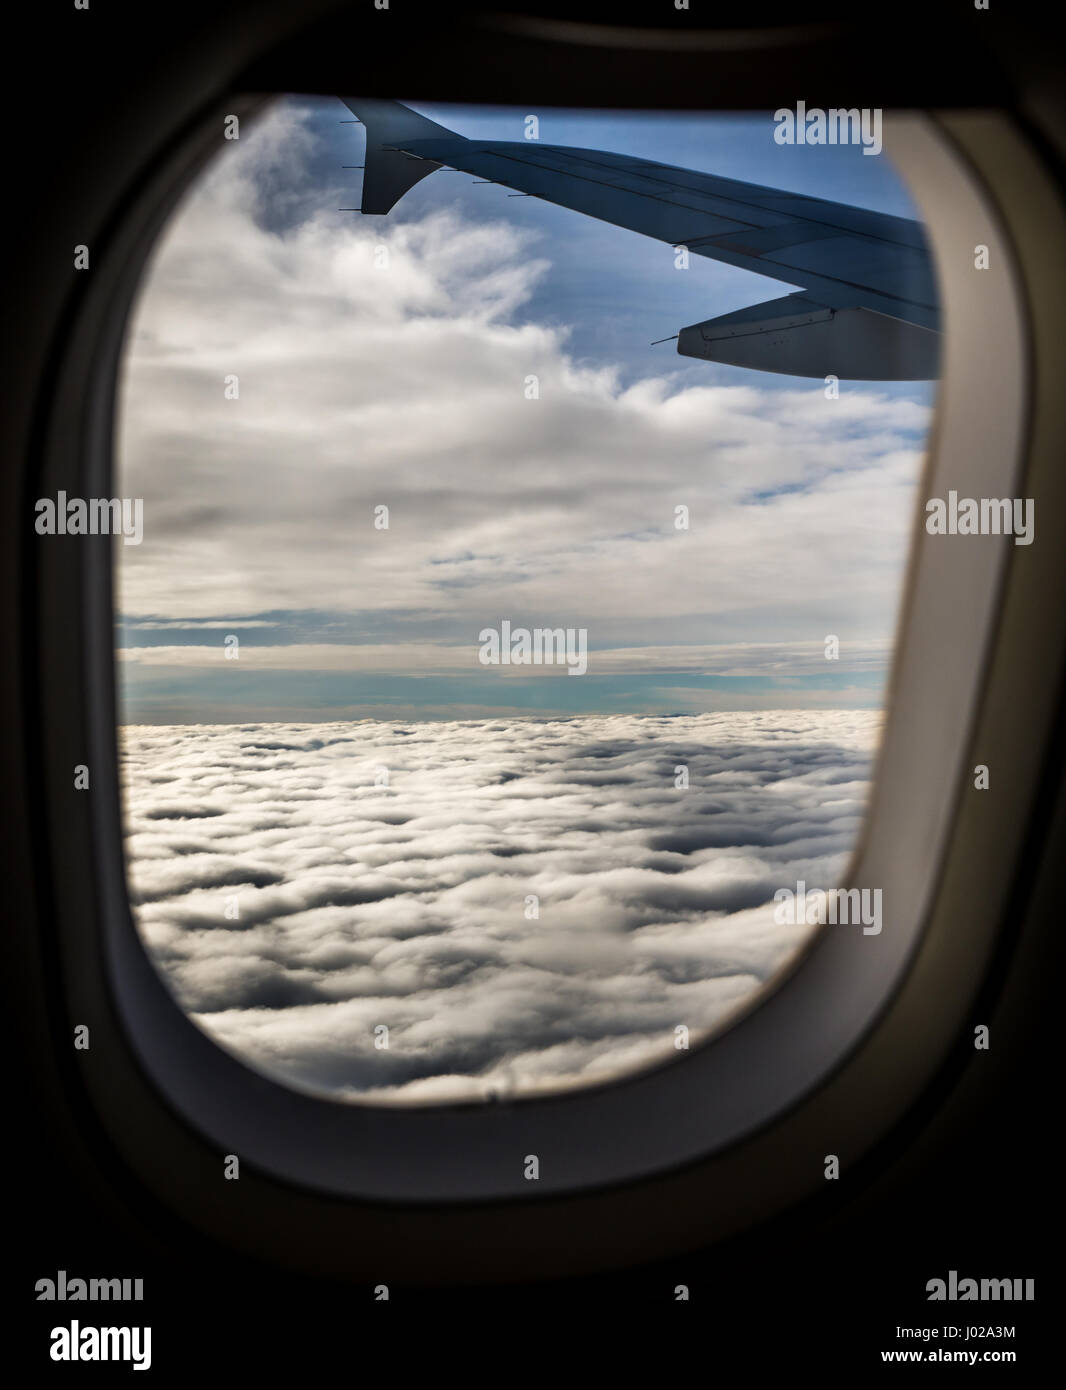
(406, 905)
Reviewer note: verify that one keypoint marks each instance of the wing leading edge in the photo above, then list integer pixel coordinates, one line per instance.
(867, 304)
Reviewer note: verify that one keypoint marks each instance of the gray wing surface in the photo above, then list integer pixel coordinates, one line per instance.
(867, 305)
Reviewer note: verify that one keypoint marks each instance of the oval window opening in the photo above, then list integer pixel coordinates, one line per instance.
(516, 534)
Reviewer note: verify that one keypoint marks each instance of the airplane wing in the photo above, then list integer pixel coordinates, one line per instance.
(866, 308)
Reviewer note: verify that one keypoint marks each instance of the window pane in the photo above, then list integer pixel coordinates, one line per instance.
(485, 669)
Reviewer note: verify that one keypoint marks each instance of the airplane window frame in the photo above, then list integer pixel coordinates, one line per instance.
(637, 1126)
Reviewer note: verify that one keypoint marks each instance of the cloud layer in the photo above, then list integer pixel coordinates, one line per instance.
(383, 874)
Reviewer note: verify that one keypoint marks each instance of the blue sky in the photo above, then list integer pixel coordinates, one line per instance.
(256, 511)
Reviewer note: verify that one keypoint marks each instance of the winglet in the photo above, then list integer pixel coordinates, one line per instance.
(389, 173)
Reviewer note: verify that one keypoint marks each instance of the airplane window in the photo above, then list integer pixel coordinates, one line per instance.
(518, 507)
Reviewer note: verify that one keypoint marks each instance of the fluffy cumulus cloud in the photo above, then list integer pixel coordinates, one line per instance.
(384, 361)
(383, 875)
